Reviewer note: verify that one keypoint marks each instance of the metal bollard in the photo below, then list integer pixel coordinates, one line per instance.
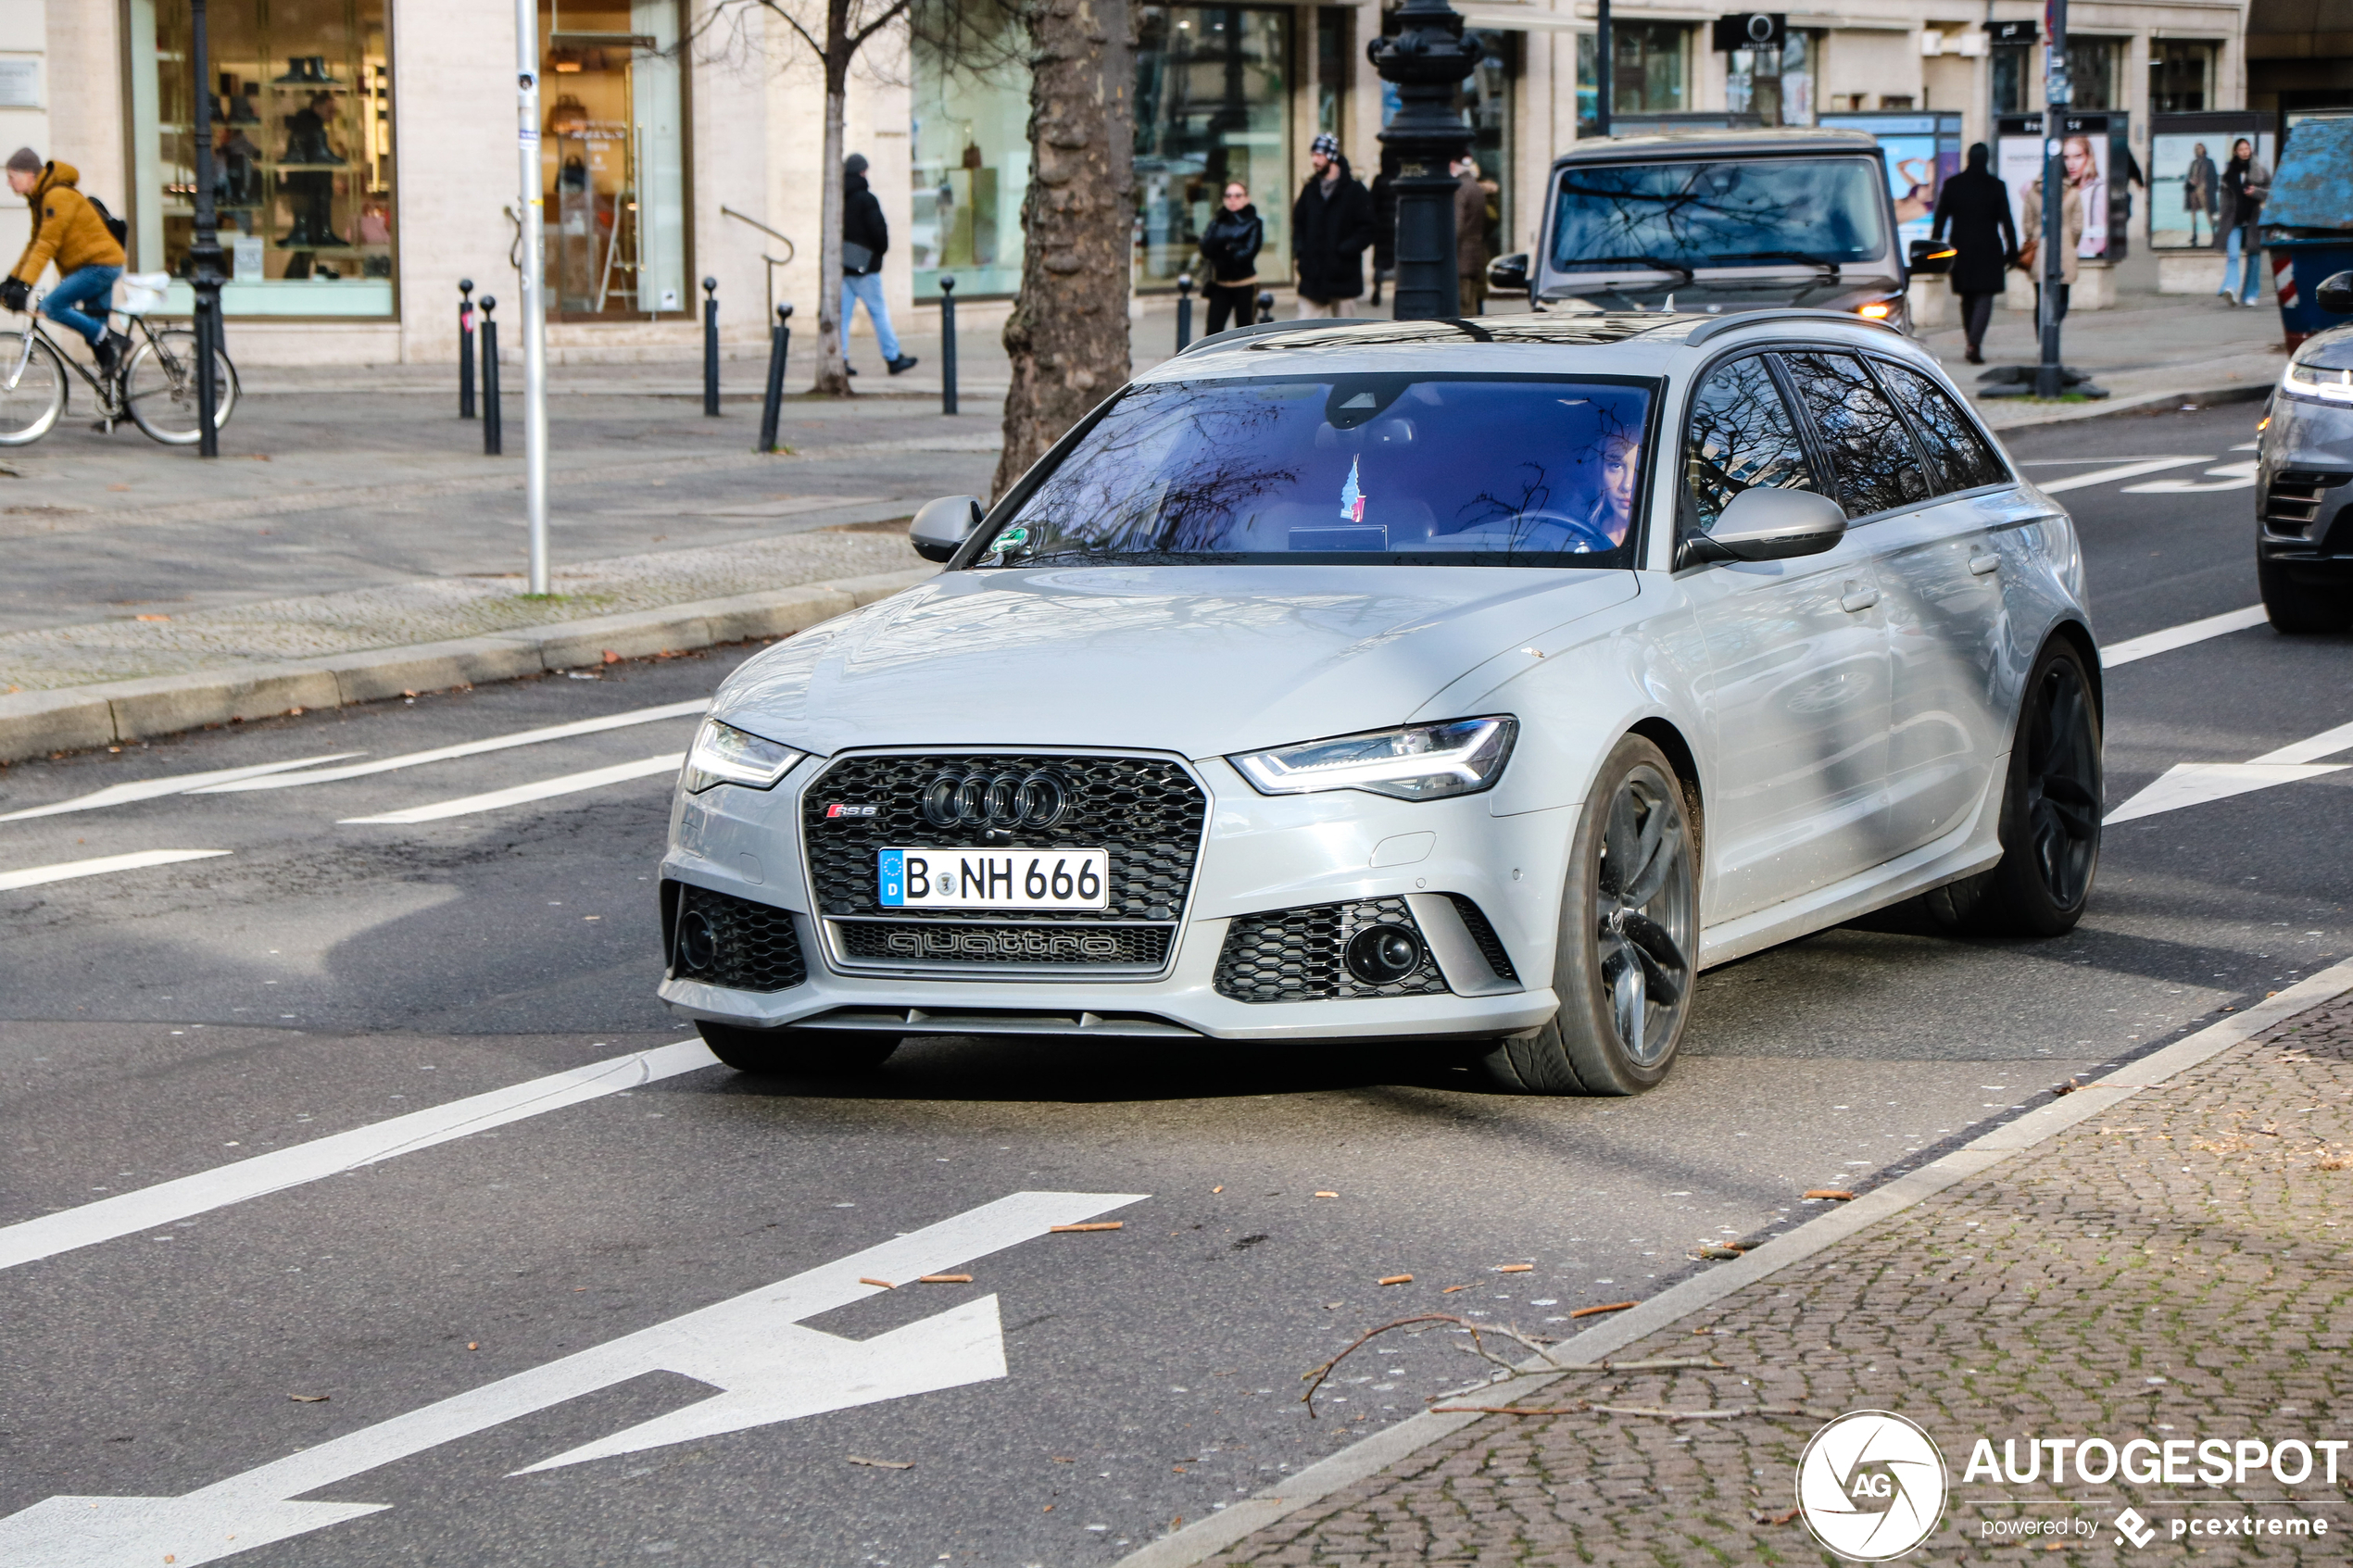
(948, 346)
(465, 348)
(1184, 310)
(489, 379)
(711, 346)
(1265, 306)
(773, 407)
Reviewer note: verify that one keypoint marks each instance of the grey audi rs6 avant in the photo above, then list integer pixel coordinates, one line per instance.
(1470, 682)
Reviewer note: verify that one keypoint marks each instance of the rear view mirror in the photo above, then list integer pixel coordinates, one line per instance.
(1508, 274)
(1769, 524)
(2335, 295)
(943, 525)
(1931, 259)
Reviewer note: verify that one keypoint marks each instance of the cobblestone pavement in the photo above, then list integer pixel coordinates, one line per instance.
(2175, 1269)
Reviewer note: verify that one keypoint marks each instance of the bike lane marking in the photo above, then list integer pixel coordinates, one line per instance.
(66, 871)
(150, 789)
(542, 789)
(2182, 636)
(462, 748)
(2195, 784)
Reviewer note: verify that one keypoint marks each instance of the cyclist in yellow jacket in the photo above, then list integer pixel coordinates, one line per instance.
(70, 231)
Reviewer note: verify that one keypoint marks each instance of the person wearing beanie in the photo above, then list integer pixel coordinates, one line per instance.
(71, 231)
(864, 237)
(1330, 225)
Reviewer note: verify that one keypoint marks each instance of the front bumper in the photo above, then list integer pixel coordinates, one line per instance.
(1259, 854)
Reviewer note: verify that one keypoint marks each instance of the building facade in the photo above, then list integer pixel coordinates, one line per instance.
(366, 150)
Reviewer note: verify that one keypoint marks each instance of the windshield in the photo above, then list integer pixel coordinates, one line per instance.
(1774, 212)
(1344, 469)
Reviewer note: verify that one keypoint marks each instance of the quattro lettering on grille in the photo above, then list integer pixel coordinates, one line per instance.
(1031, 944)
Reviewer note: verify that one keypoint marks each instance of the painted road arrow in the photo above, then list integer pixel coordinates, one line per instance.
(2193, 783)
(753, 1349)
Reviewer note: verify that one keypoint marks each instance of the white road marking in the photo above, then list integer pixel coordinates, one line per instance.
(466, 748)
(565, 784)
(2227, 476)
(2195, 784)
(2182, 636)
(166, 1202)
(66, 871)
(752, 1349)
(150, 789)
(2122, 470)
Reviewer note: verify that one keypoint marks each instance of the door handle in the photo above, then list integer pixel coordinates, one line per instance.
(1857, 598)
(1984, 565)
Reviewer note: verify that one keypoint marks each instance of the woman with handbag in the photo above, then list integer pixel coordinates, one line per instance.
(2246, 181)
(2075, 166)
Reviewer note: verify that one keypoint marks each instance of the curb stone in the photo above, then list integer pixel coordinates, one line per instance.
(76, 718)
(1198, 1542)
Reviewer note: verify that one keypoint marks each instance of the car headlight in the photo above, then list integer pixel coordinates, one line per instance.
(1416, 762)
(2312, 381)
(724, 754)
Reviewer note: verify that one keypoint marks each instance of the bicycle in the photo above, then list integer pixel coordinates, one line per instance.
(154, 387)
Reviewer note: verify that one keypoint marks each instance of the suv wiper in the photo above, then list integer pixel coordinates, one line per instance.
(1807, 257)
(1655, 263)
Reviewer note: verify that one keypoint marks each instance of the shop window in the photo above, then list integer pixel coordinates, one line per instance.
(1212, 105)
(612, 158)
(2181, 76)
(1776, 85)
(2009, 72)
(1649, 67)
(971, 147)
(2091, 71)
(301, 132)
(1333, 59)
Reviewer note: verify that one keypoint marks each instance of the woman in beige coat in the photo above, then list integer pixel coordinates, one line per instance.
(2077, 166)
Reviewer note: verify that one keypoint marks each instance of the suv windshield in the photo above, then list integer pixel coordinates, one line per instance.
(1344, 469)
(1766, 212)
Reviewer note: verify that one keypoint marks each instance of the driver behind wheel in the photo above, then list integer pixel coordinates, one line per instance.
(70, 230)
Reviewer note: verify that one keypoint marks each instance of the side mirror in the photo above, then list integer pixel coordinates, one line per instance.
(1769, 524)
(1931, 259)
(2335, 295)
(1508, 274)
(943, 525)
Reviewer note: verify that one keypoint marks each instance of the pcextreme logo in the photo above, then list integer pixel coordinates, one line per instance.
(1870, 1485)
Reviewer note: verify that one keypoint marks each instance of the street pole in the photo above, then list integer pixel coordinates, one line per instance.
(203, 257)
(1601, 67)
(535, 305)
(2056, 97)
(1427, 61)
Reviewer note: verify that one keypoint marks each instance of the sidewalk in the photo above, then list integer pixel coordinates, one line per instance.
(2162, 1268)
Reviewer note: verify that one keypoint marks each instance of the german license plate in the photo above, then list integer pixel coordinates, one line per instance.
(994, 879)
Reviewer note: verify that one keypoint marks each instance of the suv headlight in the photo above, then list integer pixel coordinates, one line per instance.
(724, 754)
(1416, 762)
(2311, 380)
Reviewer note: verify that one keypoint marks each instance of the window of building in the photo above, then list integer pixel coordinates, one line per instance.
(612, 158)
(2091, 71)
(1212, 105)
(1650, 63)
(2181, 76)
(302, 152)
(972, 157)
(1333, 59)
(1776, 85)
(2009, 73)
(1487, 98)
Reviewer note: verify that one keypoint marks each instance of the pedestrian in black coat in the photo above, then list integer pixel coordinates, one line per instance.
(1229, 258)
(1975, 205)
(1332, 224)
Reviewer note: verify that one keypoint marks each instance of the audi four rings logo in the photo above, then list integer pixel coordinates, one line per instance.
(978, 798)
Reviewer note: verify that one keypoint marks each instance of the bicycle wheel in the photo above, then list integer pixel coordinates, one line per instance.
(159, 387)
(32, 388)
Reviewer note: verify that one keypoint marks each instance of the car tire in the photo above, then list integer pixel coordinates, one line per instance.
(798, 1053)
(2299, 607)
(1624, 965)
(2051, 807)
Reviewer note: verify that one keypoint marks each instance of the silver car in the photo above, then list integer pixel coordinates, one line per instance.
(1475, 682)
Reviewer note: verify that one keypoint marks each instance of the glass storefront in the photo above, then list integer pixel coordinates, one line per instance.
(612, 158)
(302, 148)
(972, 169)
(1649, 72)
(1212, 105)
(2181, 76)
(1776, 85)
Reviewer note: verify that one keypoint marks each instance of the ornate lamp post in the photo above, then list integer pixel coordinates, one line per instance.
(203, 257)
(1427, 60)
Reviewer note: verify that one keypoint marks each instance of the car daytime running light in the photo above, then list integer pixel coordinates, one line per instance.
(1415, 762)
(2313, 382)
(1877, 310)
(724, 754)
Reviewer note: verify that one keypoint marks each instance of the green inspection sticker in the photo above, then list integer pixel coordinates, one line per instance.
(1012, 539)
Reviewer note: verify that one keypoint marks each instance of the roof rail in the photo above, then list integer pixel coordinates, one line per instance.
(1727, 321)
(1233, 336)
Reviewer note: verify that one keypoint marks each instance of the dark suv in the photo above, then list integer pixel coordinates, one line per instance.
(2304, 529)
(1717, 220)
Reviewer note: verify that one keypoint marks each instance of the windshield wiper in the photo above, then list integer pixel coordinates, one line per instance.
(1829, 267)
(1655, 263)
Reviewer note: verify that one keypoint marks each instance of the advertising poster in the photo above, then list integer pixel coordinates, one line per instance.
(1920, 154)
(2186, 184)
(2018, 160)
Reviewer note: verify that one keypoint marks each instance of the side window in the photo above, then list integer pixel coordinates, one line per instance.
(1741, 438)
(1968, 459)
(1871, 452)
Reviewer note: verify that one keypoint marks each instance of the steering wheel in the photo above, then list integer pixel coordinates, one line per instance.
(1559, 532)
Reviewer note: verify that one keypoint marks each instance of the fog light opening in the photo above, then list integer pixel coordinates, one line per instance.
(698, 940)
(1383, 955)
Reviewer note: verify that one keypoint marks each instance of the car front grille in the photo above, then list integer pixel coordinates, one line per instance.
(751, 947)
(934, 941)
(2292, 504)
(1300, 955)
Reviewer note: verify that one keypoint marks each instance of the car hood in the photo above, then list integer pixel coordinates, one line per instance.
(1199, 660)
(1749, 290)
(2331, 350)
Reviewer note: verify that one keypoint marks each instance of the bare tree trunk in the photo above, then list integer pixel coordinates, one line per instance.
(1067, 336)
(833, 365)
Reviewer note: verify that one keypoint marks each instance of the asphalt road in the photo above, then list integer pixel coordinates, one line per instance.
(316, 975)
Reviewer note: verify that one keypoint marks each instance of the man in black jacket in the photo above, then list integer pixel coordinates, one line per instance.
(864, 237)
(1330, 225)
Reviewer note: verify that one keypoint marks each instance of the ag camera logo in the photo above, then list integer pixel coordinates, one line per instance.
(1870, 1485)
